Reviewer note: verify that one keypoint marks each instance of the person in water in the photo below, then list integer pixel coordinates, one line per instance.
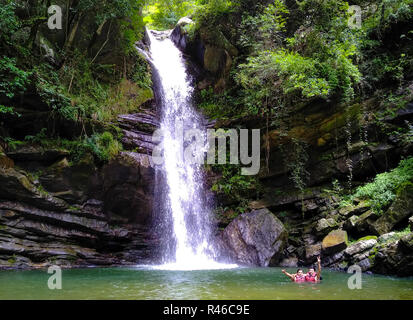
(298, 277)
(310, 276)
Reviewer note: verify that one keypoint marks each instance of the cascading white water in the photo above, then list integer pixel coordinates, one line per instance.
(184, 180)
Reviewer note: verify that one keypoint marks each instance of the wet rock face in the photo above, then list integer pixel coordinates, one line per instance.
(312, 252)
(32, 237)
(324, 128)
(128, 186)
(137, 131)
(395, 258)
(255, 238)
(75, 214)
(210, 49)
(29, 153)
(178, 34)
(406, 243)
(70, 182)
(16, 185)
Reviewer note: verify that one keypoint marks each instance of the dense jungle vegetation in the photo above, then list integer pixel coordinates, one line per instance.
(289, 53)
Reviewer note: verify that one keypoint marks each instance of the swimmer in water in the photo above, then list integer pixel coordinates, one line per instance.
(311, 276)
(298, 277)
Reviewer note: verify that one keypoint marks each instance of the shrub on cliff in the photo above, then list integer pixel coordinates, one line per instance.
(383, 189)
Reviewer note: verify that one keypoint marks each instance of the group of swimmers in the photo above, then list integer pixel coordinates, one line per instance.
(310, 276)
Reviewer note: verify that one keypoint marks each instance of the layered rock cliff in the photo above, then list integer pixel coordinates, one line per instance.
(331, 146)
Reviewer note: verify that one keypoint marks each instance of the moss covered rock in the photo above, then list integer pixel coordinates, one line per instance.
(334, 242)
(256, 238)
(214, 59)
(357, 210)
(17, 185)
(365, 223)
(360, 246)
(324, 226)
(350, 224)
(312, 252)
(5, 161)
(400, 210)
(27, 152)
(70, 181)
(406, 243)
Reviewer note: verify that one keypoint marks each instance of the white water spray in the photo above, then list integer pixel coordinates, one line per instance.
(185, 200)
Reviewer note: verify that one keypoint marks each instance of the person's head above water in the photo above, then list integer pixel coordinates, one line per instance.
(311, 270)
(300, 272)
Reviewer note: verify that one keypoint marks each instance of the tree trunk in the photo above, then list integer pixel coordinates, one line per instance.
(71, 38)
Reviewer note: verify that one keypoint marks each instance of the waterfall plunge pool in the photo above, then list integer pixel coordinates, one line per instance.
(147, 283)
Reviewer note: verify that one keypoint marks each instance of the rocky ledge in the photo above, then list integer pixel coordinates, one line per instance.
(283, 238)
(54, 211)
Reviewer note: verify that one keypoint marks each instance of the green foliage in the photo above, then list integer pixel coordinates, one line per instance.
(165, 14)
(220, 106)
(9, 23)
(233, 183)
(367, 238)
(12, 144)
(387, 67)
(132, 27)
(89, 94)
(59, 103)
(380, 65)
(288, 70)
(317, 64)
(82, 86)
(211, 12)
(104, 146)
(13, 80)
(104, 10)
(323, 13)
(397, 235)
(76, 87)
(295, 158)
(78, 148)
(8, 110)
(386, 13)
(264, 31)
(141, 74)
(382, 191)
(236, 187)
(38, 138)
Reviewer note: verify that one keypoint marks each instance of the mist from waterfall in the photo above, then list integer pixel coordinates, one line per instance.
(182, 200)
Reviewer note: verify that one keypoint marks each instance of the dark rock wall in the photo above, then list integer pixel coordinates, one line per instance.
(342, 143)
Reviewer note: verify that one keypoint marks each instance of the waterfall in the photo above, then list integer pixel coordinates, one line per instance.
(185, 213)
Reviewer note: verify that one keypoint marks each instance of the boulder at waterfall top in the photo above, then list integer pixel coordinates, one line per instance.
(256, 238)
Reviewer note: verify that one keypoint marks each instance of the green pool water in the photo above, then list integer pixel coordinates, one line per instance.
(235, 284)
